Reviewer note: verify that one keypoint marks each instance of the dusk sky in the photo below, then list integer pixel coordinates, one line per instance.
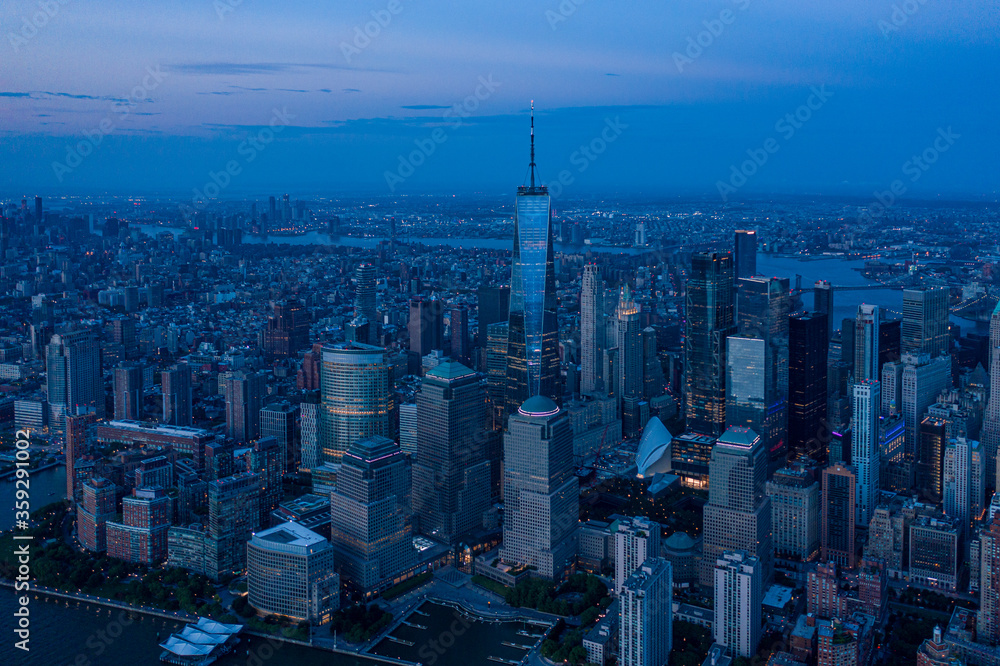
(885, 78)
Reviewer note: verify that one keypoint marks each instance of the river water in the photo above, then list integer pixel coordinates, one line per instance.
(44, 488)
(73, 633)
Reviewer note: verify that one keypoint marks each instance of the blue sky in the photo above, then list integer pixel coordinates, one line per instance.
(168, 92)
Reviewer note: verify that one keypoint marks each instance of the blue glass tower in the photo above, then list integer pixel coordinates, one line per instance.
(532, 346)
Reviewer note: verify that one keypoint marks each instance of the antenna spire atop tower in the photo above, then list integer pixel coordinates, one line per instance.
(532, 165)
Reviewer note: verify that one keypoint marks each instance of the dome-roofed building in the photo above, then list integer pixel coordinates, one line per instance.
(683, 552)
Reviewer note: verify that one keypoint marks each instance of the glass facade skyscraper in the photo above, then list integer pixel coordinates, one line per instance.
(925, 321)
(356, 398)
(709, 321)
(808, 345)
(532, 346)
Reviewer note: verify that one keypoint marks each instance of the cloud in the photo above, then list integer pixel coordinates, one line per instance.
(351, 90)
(37, 94)
(611, 74)
(243, 69)
(424, 107)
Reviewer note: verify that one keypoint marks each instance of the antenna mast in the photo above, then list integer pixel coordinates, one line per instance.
(532, 165)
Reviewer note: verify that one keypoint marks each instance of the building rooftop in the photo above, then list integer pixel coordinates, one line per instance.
(538, 405)
(738, 436)
(291, 534)
(449, 370)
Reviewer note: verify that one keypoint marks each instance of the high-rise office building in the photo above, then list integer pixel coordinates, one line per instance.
(39, 215)
(73, 375)
(372, 520)
(988, 626)
(426, 326)
(309, 436)
(840, 487)
(451, 474)
(541, 492)
(244, 399)
(496, 369)
(866, 339)
(76, 440)
(808, 347)
(630, 364)
(795, 511)
(925, 321)
(923, 380)
(636, 540)
(267, 459)
(930, 459)
(364, 300)
(287, 330)
(745, 255)
(356, 399)
(591, 329)
(963, 481)
(738, 513)
(494, 306)
(991, 419)
(290, 572)
(128, 393)
(823, 302)
(645, 635)
(865, 449)
(739, 596)
(233, 516)
(708, 322)
(460, 347)
(176, 385)
(278, 420)
(532, 345)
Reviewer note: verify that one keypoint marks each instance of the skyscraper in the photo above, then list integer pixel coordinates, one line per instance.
(988, 626)
(636, 540)
(930, 459)
(738, 513)
(426, 326)
(923, 379)
(865, 449)
(925, 321)
(128, 393)
(494, 306)
(963, 481)
(176, 385)
(991, 420)
(460, 333)
(287, 331)
(823, 302)
(746, 253)
(532, 345)
(630, 364)
(364, 300)
(708, 322)
(808, 347)
(244, 399)
(372, 528)
(73, 375)
(290, 572)
(451, 475)
(646, 608)
(591, 329)
(267, 459)
(233, 516)
(840, 488)
(795, 510)
(496, 369)
(541, 493)
(866, 339)
(356, 399)
(278, 420)
(739, 596)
